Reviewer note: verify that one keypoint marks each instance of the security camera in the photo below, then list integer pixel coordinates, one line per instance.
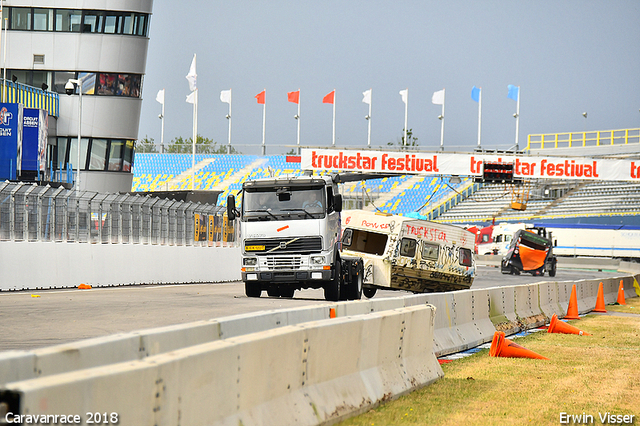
(440, 117)
(69, 88)
(228, 116)
(160, 116)
(367, 117)
(296, 116)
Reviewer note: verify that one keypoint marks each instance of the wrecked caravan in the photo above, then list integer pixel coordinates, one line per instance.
(401, 253)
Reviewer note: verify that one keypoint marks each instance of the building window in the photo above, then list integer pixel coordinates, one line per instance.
(68, 20)
(94, 154)
(92, 22)
(21, 18)
(101, 84)
(98, 156)
(43, 19)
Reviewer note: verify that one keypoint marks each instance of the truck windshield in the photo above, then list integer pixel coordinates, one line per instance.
(284, 204)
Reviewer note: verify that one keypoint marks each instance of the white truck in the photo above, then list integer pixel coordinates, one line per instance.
(290, 237)
(402, 253)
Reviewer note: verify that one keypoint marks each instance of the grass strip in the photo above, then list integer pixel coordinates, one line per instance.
(586, 375)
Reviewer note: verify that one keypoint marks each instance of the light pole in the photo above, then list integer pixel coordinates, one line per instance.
(69, 88)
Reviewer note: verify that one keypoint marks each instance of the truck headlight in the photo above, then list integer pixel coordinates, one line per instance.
(250, 261)
(317, 260)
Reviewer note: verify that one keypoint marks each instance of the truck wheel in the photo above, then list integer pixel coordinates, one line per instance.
(552, 270)
(273, 292)
(369, 292)
(354, 291)
(252, 289)
(332, 288)
(287, 292)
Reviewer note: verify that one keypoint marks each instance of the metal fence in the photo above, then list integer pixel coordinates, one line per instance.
(29, 212)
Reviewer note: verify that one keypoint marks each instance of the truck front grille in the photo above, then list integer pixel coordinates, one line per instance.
(301, 245)
(283, 263)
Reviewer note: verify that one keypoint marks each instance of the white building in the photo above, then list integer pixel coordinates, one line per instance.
(103, 42)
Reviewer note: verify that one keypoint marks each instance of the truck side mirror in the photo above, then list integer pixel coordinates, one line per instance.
(337, 203)
(231, 207)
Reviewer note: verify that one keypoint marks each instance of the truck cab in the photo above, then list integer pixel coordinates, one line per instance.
(290, 236)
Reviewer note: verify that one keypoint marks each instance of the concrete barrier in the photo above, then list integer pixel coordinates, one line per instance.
(502, 309)
(63, 265)
(312, 373)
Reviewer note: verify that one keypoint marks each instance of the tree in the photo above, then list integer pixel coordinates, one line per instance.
(146, 145)
(412, 140)
(180, 145)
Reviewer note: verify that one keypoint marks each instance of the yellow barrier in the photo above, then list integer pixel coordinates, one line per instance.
(583, 139)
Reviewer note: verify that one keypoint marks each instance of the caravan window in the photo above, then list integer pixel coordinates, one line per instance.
(408, 247)
(430, 251)
(364, 241)
(465, 257)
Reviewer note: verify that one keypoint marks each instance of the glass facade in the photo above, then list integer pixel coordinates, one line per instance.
(96, 154)
(94, 83)
(75, 21)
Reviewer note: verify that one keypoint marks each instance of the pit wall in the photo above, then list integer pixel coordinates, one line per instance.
(44, 265)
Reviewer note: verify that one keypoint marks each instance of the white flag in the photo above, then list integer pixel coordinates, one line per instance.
(225, 96)
(438, 97)
(191, 98)
(367, 97)
(405, 95)
(191, 77)
(160, 96)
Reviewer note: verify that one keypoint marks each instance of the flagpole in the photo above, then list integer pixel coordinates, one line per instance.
(442, 123)
(334, 118)
(406, 110)
(229, 117)
(517, 118)
(162, 127)
(369, 120)
(298, 121)
(195, 136)
(264, 123)
(479, 116)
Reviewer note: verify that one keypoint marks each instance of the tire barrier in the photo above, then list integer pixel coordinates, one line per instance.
(307, 374)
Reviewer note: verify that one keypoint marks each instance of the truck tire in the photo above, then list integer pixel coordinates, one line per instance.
(354, 290)
(369, 292)
(332, 288)
(552, 270)
(252, 289)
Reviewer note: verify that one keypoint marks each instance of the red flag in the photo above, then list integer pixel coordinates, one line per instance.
(260, 97)
(329, 98)
(294, 96)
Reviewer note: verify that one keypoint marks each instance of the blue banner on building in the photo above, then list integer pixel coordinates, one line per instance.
(30, 136)
(10, 140)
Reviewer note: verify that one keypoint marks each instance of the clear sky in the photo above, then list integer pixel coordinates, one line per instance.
(567, 56)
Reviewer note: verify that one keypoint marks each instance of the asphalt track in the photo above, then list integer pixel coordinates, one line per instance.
(31, 320)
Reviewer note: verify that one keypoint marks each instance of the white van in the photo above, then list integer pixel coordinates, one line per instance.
(402, 253)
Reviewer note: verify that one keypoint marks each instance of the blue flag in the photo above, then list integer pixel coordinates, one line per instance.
(514, 91)
(475, 93)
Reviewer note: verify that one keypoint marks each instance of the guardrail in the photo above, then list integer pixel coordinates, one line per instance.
(584, 139)
(297, 366)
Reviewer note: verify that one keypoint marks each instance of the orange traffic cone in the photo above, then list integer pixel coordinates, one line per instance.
(621, 300)
(557, 326)
(600, 300)
(501, 347)
(572, 312)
